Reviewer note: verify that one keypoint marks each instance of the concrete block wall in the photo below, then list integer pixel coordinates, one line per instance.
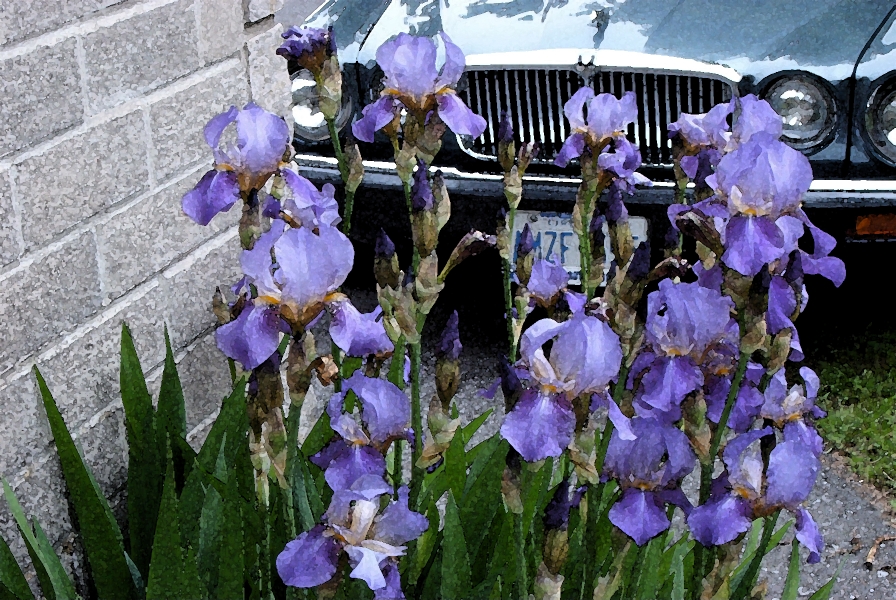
(102, 105)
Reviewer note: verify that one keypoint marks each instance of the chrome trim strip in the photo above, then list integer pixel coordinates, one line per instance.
(819, 186)
(618, 60)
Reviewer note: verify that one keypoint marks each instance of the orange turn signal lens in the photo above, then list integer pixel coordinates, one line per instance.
(876, 225)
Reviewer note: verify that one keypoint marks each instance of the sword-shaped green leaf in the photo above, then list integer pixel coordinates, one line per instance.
(825, 591)
(455, 560)
(470, 429)
(482, 495)
(54, 581)
(12, 581)
(227, 435)
(792, 583)
(173, 572)
(99, 531)
(146, 467)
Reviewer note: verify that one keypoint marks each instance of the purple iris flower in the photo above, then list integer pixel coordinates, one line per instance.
(747, 405)
(648, 468)
(354, 466)
(413, 81)
(747, 492)
(547, 280)
(556, 513)
(607, 117)
(623, 162)
(385, 412)
(305, 204)
(309, 267)
(704, 137)
(762, 180)
(359, 334)
(757, 118)
(782, 303)
(792, 409)
(705, 130)
(585, 356)
(819, 262)
(763, 177)
(421, 193)
(309, 46)
(372, 545)
(449, 346)
(262, 138)
(683, 321)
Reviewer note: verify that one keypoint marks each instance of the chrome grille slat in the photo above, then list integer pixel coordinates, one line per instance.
(560, 119)
(533, 96)
(550, 107)
(489, 113)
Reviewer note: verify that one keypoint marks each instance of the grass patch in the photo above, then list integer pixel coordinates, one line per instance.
(858, 389)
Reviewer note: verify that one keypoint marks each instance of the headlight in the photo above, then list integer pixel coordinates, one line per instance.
(310, 122)
(806, 107)
(880, 121)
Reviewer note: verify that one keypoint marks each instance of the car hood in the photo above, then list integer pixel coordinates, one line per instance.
(754, 38)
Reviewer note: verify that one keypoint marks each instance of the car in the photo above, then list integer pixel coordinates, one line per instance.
(827, 66)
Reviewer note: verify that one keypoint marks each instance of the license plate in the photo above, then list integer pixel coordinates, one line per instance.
(554, 237)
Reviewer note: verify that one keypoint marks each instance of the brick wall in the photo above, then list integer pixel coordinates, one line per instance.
(102, 105)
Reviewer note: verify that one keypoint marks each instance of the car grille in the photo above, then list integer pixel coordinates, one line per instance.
(535, 99)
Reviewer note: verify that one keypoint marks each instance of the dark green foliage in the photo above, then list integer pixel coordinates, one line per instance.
(100, 534)
(319, 436)
(455, 474)
(792, 583)
(54, 581)
(825, 591)
(13, 585)
(455, 559)
(145, 459)
(211, 539)
(858, 389)
(173, 572)
(482, 493)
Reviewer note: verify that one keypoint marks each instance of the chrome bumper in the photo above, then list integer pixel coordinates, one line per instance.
(824, 193)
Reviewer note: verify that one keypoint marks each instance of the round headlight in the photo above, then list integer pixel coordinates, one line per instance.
(806, 107)
(880, 121)
(309, 121)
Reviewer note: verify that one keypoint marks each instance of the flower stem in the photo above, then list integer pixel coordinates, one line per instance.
(707, 468)
(415, 260)
(703, 555)
(416, 420)
(681, 186)
(508, 293)
(521, 574)
(607, 433)
(347, 216)
(585, 249)
(396, 376)
(747, 582)
(337, 149)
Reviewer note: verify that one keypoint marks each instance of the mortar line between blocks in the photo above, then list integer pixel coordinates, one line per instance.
(100, 218)
(81, 58)
(202, 75)
(51, 38)
(150, 148)
(11, 174)
(118, 305)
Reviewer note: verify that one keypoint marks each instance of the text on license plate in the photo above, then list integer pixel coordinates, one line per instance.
(555, 238)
